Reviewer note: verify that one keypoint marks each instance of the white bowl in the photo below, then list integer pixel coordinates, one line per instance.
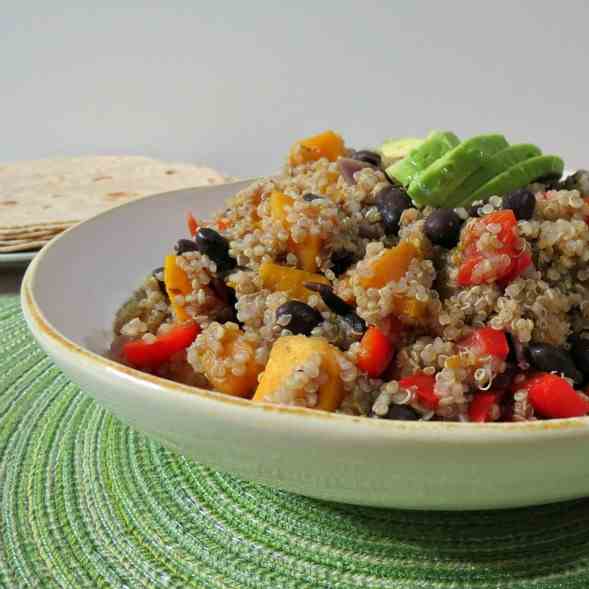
(71, 292)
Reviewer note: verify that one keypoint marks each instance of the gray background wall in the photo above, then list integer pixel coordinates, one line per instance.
(234, 83)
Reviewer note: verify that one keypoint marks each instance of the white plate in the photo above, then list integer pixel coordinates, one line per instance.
(72, 290)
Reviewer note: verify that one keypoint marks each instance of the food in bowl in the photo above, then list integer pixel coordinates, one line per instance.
(429, 279)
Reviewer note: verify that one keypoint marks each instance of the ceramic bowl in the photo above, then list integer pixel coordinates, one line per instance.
(71, 292)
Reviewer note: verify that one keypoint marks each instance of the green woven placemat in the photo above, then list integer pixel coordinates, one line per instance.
(86, 501)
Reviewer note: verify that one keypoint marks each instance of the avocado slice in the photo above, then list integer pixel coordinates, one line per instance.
(418, 159)
(501, 161)
(520, 175)
(438, 181)
(393, 150)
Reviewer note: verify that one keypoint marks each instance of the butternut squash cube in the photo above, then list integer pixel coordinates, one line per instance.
(390, 266)
(289, 280)
(176, 283)
(307, 250)
(290, 352)
(242, 385)
(409, 310)
(327, 144)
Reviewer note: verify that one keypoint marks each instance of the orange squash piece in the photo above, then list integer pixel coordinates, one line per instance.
(307, 250)
(176, 283)
(242, 385)
(327, 144)
(409, 310)
(291, 351)
(289, 280)
(390, 266)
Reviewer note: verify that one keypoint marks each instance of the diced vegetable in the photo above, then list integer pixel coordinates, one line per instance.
(292, 351)
(376, 352)
(151, 355)
(552, 396)
(349, 166)
(307, 250)
(192, 224)
(507, 233)
(289, 280)
(327, 144)
(424, 385)
(242, 385)
(480, 406)
(409, 310)
(502, 264)
(487, 341)
(177, 283)
(223, 223)
(390, 266)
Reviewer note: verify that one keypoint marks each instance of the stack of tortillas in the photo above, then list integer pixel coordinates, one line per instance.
(40, 199)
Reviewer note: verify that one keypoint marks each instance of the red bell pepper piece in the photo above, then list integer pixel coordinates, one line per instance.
(518, 266)
(487, 341)
(376, 352)
(470, 271)
(192, 224)
(479, 407)
(552, 396)
(496, 266)
(507, 236)
(424, 385)
(142, 354)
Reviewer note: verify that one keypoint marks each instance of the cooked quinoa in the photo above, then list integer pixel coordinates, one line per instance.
(327, 286)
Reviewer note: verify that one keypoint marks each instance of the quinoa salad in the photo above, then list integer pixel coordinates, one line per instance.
(431, 279)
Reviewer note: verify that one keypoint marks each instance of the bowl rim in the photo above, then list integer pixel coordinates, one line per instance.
(471, 431)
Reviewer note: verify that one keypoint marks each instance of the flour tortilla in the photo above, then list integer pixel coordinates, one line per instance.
(59, 192)
(23, 247)
(4, 242)
(32, 233)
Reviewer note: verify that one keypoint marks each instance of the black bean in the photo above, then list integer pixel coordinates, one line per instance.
(503, 381)
(223, 291)
(310, 197)
(341, 260)
(303, 318)
(355, 322)
(160, 283)
(473, 210)
(549, 358)
(442, 227)
(338, 305)
(185, 245)
(370, 157)
(402, 413)
(391, 201)
(580, 354)
(522, 202)
(216, 247)
(333, 302)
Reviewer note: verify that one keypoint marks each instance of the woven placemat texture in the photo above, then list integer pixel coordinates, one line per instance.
(86, 501)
